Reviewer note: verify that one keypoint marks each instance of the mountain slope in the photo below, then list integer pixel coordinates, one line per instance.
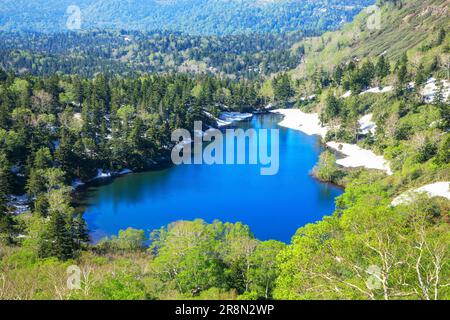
(406, 26)
(189, 16)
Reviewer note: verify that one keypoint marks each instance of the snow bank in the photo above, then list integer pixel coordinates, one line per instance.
(307, 123)
(227, 118)
(367, 125)
(347, 94)
(230, 117)
(308, 98)
(359, 157)
(370, 90)
(430, 89)
(428, 92)
(102, 175)
(438, 189)
(378, 90)
(221, 123)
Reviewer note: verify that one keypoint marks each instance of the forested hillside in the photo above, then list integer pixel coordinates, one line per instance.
(201, 17)
(132, 53)
(405, 26)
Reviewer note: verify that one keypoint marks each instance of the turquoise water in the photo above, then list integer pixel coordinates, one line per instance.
(273, 206)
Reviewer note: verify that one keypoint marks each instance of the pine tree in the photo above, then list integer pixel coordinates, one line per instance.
(420, 75)
(338, 75)
(80, 231)
(282, 88)
(332, 109)
(7, 227)
(6, 221)
(60, 236)
(382, 67)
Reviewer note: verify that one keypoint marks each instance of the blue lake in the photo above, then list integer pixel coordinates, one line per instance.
(273, 206)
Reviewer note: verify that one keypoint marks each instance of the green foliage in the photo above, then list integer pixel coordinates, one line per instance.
(403, 29)
(131, 239)
(332, 108)
(282, 88)
(443, 155)
(129, 53)
(367, 252)
(326, 169)
(192, 258)
(7, 228)
(120, 287)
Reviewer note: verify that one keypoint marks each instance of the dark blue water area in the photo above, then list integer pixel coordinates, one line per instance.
(274, 206)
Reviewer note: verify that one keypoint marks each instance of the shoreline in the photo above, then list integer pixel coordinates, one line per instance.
(105, 177)
(296, 119)
(355, 156)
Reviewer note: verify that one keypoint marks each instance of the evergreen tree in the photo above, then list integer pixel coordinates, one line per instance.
(382, 67)
(338, 75)
(60, 237)
(332, 108)
(282, 88)
(421, 76)
(6, 220)
(402, 70)
(80, 231)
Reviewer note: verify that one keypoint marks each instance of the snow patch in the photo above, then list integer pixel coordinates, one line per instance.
(431, 89)
(234, 116)
(438, 189)
(367, 125)
(102, 175)
(307, 123)
(378, 90)
(308, 98)
(358, 157)
(347, 94)
(228, 118)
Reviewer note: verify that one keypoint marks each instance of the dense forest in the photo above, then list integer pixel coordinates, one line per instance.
(59, 129)
(127, 53)
(195, 17)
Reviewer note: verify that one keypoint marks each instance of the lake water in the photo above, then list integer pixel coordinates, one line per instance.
(273, 206)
